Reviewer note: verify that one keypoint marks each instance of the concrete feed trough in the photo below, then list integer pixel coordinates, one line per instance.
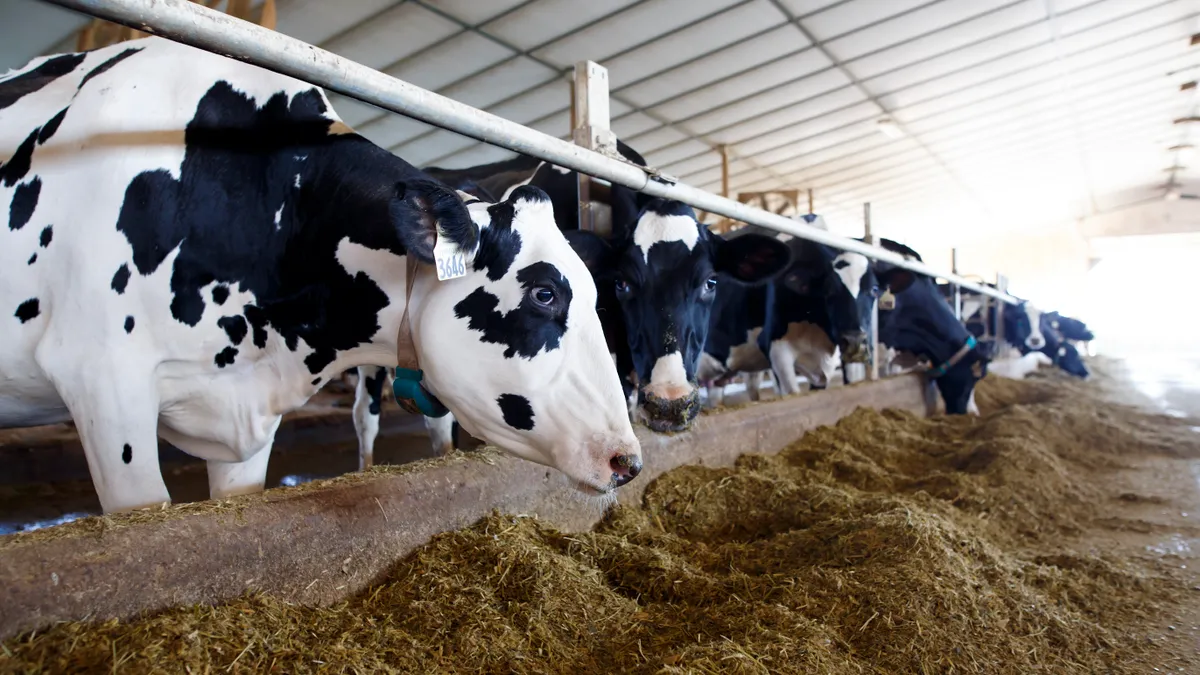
(323, 542)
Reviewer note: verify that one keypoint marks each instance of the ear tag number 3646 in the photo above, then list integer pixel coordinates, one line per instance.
(450, 261)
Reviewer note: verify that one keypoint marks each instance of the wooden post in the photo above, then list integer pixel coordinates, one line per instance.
(1002, 286)
(957, 290)
(873, 341)
(590, 126)
(810, 201)
(724, 170)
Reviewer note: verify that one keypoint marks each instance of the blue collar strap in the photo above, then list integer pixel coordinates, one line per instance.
(934, 373)
(413, 397)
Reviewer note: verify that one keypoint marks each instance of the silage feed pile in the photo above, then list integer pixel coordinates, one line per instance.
(884, 544)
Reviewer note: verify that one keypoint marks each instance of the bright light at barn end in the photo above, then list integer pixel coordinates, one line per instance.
(889, 128)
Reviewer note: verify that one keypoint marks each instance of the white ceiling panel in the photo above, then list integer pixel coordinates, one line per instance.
(838, 103)
(535, 104)
(765, 78)
(908, 26)
(353, 112)
(727, 62)
(683, 45)
(633, 124)
(317, 22)
(629, 28)
(545, 20)
(392, 35)
(844, 17)
(450, 61)
(772, 99)
(965, 34)
(474, 12)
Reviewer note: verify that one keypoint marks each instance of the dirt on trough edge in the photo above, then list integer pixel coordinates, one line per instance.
(1043, 536)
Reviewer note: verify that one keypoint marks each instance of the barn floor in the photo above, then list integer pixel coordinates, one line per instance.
(1056, 533)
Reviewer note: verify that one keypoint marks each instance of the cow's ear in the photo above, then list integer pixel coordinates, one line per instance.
(593, 250)
(897, 279)
(751, 258)
(423, 210)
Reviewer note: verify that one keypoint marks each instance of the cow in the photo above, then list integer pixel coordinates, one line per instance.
(1022, 321)
(194, 246)
(1070, 329)
(497, 180)
(1060, 351)
(1018, 368)
(665, 272)
(919, 322)
(821, 305)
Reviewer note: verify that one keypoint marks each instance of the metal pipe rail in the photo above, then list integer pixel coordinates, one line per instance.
(196, 25)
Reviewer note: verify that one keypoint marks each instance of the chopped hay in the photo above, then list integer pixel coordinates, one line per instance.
(884, 544)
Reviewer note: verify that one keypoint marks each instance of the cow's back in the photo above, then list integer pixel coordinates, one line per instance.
(79, 135)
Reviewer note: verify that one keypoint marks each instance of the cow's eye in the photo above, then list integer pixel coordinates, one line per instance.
(874, 291)
(622, 286)
(543, 295)
(710, 284)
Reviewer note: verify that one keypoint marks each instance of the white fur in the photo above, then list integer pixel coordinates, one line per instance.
(1017, 369)
(1035, 340)
(74, 360)
(852, 273)
(654, 228)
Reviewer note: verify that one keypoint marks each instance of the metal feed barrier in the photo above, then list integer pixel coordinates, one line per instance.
(593, 154)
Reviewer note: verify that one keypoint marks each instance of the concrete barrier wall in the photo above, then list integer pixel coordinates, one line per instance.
(323, 542)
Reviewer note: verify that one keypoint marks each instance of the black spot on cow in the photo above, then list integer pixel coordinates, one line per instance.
(220, 294)
(103, 67)
(129, 324)
(841, 264)
(32, 259)
(499, 244)
(27, 310)
(374, 387)
(316, 380)
(518, 414)
(531, 326)
(234, 326)
(46, 236)
(127, 454)
(24, 201)
(258, 324)
(225, 357)
(51, 127)
(121, 279)
(240, 164)
(291, 341)
(12, 89)
(18, 165)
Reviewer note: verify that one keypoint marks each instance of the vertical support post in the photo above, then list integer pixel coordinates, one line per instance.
(724, 170)
(810, 201)
(957, 290)
(873, 340)
(590, 126)
(1001, 306)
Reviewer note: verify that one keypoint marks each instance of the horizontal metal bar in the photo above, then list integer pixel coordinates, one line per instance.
(198, 26)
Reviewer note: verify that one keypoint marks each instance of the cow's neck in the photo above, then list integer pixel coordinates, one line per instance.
(343, 277)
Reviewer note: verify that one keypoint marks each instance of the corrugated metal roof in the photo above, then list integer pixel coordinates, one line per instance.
(1015, 113)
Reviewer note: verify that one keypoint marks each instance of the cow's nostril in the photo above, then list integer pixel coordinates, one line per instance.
(625, 468)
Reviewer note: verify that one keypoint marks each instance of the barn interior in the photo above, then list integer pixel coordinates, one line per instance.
(1044, 147)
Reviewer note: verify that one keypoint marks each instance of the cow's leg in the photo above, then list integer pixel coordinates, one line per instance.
(783, 364)
(716, 395)
(441, 433)
(230, 479)
(754, 384)
(115, 409)
(972, 409)
(368, 397)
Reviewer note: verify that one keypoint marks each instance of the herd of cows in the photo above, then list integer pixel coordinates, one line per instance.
(195, 246)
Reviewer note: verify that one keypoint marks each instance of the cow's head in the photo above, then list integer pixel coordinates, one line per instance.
(847, 285)
(665, 270)
(1070, 329)
(514, 347)
(1023, 325)
(1062, 353)
(923, 324)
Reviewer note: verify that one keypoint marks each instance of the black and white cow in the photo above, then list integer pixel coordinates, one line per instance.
(498, 180)
(1060, 351)
(1068, 328)
(1022, 322)
(921, 324)
(666, 272)
(796, 325)
(194, 246)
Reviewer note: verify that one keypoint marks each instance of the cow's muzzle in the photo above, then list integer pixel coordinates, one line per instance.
(854, 347)
(1035, 342)
(673, 414)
